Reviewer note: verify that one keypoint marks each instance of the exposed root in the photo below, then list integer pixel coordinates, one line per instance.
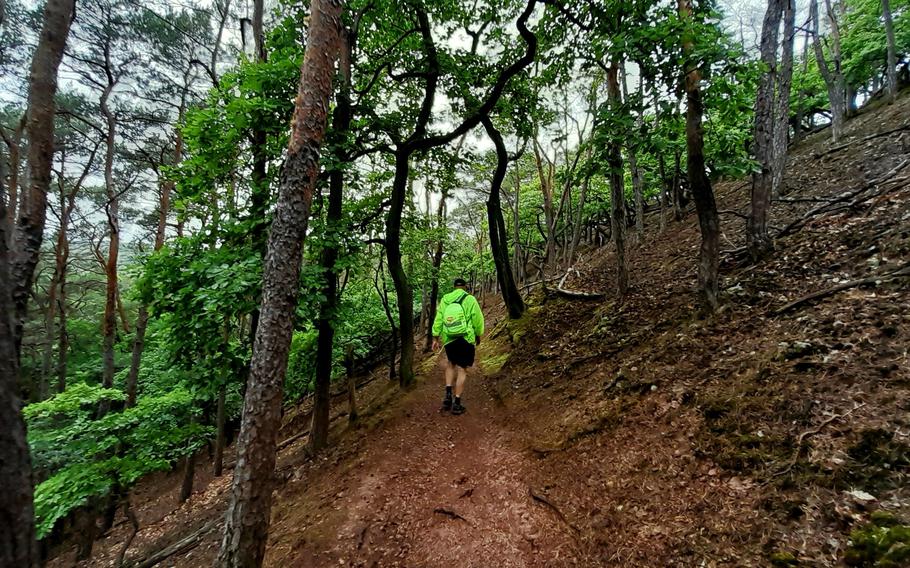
(808, 434)
(547, 503)
(901, 271)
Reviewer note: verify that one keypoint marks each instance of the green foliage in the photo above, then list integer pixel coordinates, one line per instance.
(82, 457)
(882, 543)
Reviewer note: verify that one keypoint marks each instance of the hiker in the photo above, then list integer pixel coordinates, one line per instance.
(458, 326)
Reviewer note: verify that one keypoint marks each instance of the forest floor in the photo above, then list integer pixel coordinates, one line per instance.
(601, 433)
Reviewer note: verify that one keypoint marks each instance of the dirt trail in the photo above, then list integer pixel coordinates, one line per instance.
(432, 489)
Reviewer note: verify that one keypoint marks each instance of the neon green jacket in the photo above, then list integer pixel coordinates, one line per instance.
(471, 311)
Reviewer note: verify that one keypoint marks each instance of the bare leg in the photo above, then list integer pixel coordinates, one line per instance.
(450, 373)
(462, 376)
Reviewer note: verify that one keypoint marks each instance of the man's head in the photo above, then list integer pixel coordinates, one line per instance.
(460, 283)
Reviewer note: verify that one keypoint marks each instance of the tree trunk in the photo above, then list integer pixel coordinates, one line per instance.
(757, 239)
(617, 187)
(784, 85)
(437, 263)
(63, 337)
(189, 474)
(892, 51)
(580, 215)
(39, 128)
(220, 437)
(545, 175)
(516, 229)
(497, 226)
(798, 130)
(17, 531)
(352, 384)
(259, 197)
(702, 192)
(834, 79)
(247, 522)
(396, 270)
(109, 325)
(637, 178)
(17, 536)
(15, 163)
(341, 124)
(379, 285)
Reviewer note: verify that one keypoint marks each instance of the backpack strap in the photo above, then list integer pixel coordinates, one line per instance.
(461, 299)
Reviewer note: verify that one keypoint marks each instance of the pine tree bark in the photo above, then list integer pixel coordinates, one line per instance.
(247, 520)
(39, 129)
(702, 192)
(757, 239)
(497, 227)
(891, 69)
(17, 544)
(17, 530)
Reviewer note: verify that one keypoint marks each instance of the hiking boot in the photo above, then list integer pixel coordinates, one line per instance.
(447, 402)
(458, 408)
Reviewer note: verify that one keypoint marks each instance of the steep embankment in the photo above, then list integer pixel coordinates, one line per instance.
(635, 434)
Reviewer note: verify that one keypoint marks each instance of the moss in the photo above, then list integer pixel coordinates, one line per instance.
(882, 543)
(520, 327)
(493, 363)
(784, 559)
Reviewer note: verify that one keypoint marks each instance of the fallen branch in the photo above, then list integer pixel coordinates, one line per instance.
(901, 271)
(450, 514)
(546, 502)
(846, 197)
(179, 547)
(572, 294)
(865, 139)
(809, 433)
(802, 200)
(536, 282)
(732, 212)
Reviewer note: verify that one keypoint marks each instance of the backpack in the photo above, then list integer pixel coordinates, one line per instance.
(454, 319)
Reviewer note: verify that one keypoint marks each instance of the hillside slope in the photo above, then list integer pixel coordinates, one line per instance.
(635, 434)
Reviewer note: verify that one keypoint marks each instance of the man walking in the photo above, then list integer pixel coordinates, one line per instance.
(458, 326)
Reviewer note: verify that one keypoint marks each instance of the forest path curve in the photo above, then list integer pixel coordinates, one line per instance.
(433, 489)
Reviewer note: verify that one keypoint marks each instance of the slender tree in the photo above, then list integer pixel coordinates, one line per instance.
(832, 74)
(617, 184)
(247, 522)
(892, 51)
(782, 105)
(325, 324)
(497, 227)
(420, 141)
(702, 192)
(757, 238)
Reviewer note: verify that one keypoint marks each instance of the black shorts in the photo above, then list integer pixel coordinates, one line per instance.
(460, 353)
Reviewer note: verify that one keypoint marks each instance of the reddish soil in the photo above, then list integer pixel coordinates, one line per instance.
(634, 433)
